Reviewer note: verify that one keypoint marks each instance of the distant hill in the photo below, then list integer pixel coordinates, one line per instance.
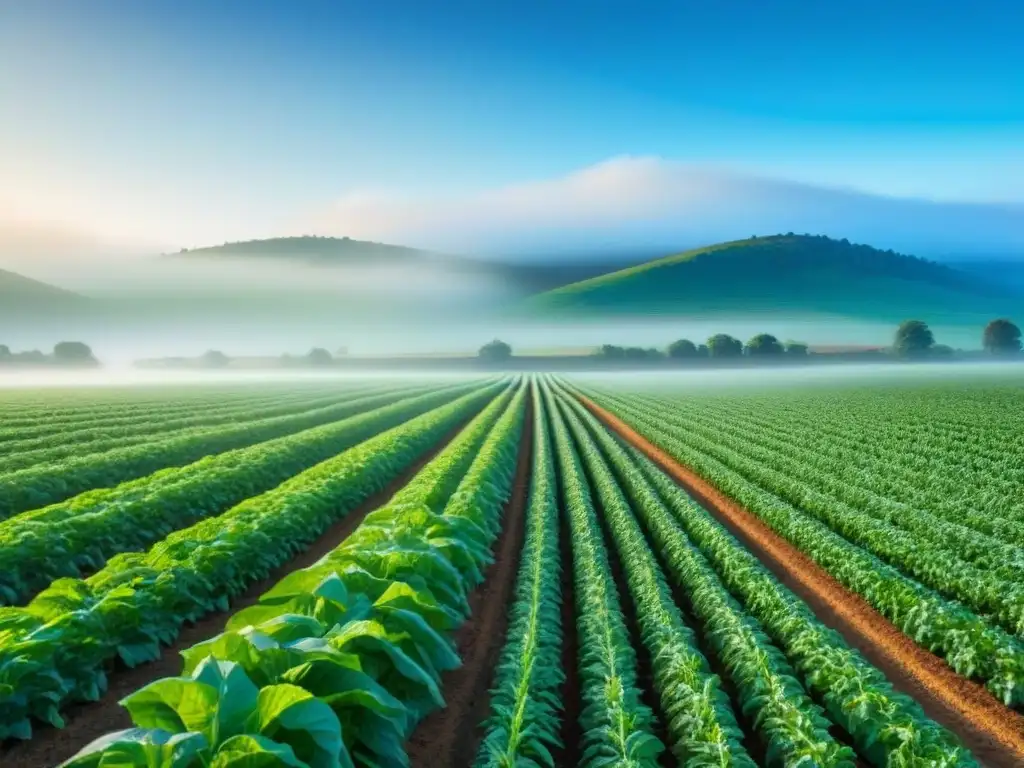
(18, 291)
(790, 274)
(530, 276)
(320, 250)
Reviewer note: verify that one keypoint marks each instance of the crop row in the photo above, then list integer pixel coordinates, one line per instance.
(525, 700)
(22, 453)
(80, 535)
(54, 651)
(47, 484)
(771, 645)
(339, 662)
(972, 647)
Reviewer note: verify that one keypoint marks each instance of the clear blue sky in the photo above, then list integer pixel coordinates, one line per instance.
(193, 120)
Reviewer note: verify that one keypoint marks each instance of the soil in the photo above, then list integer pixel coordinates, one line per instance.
(993, 732)
(451, 736)
(88, 721)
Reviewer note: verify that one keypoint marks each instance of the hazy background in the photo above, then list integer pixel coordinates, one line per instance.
(528, 133)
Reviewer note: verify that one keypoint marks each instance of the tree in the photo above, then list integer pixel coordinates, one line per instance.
(495, 351)
(319, 356)
(5, 351)
(942, 350)
(683, 348)
(214, 359)
(1001, 337)
(764, 345)
(797, 349)
(73, 352)
(702, 350)
(724, 345)
(914, 339)
(612, 352)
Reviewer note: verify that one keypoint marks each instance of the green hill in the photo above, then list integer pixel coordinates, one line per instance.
(320, 250)
(18, 291)
(796, 275)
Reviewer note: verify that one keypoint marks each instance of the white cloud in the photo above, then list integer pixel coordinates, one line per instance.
(643, 201)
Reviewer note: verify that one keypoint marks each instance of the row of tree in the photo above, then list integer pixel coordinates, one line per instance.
(64, 353)
(913, 340)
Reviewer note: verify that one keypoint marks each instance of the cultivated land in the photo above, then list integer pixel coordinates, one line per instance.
(514, 571)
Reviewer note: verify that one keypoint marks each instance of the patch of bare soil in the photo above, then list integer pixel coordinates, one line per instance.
(450, 737)
(992, 731)
(88, 721)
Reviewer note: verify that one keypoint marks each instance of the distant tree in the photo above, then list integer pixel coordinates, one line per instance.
(495, 351)
(797, 349)
(319, 356)
(914, 339)
(30, 356)
(1001, 337)
(73, 353)
(5, 351)
(214, 359)
(764, 345)
(942, 350)
(683, 348)
(702, 350)
(612, 352)
(724, 345)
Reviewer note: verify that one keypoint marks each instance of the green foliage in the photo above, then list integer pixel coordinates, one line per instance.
(682, 348)
(722, 345)
(525, 697)
(346, 656)
(828, 519)
(495, 351)
(73, 352)
(319, 356)
(796, 349)
(617, 727)
(82, 534)
(913, 340)
(1001, 337)
(764, 345)
(54, 650)
(214, 359)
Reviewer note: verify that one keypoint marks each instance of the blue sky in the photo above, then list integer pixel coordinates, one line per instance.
(189, 122)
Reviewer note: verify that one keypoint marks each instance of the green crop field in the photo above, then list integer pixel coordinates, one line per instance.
(514, 571)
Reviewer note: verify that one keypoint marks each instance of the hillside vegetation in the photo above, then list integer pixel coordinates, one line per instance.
(18, 291)
(795, 274)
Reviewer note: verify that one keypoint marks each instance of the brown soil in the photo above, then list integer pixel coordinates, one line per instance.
(992, 731)
(450, 737)
(88, 721)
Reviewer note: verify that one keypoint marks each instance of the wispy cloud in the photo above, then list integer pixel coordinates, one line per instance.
(648, 201)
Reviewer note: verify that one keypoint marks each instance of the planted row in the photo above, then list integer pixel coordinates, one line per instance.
(38, 486)
(526, 704)
(79, 536)
(338, 662)
(700, 721)
(617, 727)
(28, 452)
(748, 617)
(54, 651)
(972, 647)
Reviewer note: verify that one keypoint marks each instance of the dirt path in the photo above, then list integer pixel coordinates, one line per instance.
(992, 731)
(88, 721)
(450, 737)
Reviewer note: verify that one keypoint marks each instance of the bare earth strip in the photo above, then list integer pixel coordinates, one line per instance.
(992, 731)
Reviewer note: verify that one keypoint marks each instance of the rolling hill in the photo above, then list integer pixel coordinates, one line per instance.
(796, 275)
(526, 276)
(18, 292)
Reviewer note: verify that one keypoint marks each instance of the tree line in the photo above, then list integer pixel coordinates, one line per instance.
(72, 353)
(913, 340)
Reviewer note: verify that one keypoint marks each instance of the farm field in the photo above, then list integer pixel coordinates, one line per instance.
(513, 571)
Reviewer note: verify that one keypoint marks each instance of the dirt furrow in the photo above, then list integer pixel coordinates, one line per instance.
(450, 737)
(992, 731)
(88, 721)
